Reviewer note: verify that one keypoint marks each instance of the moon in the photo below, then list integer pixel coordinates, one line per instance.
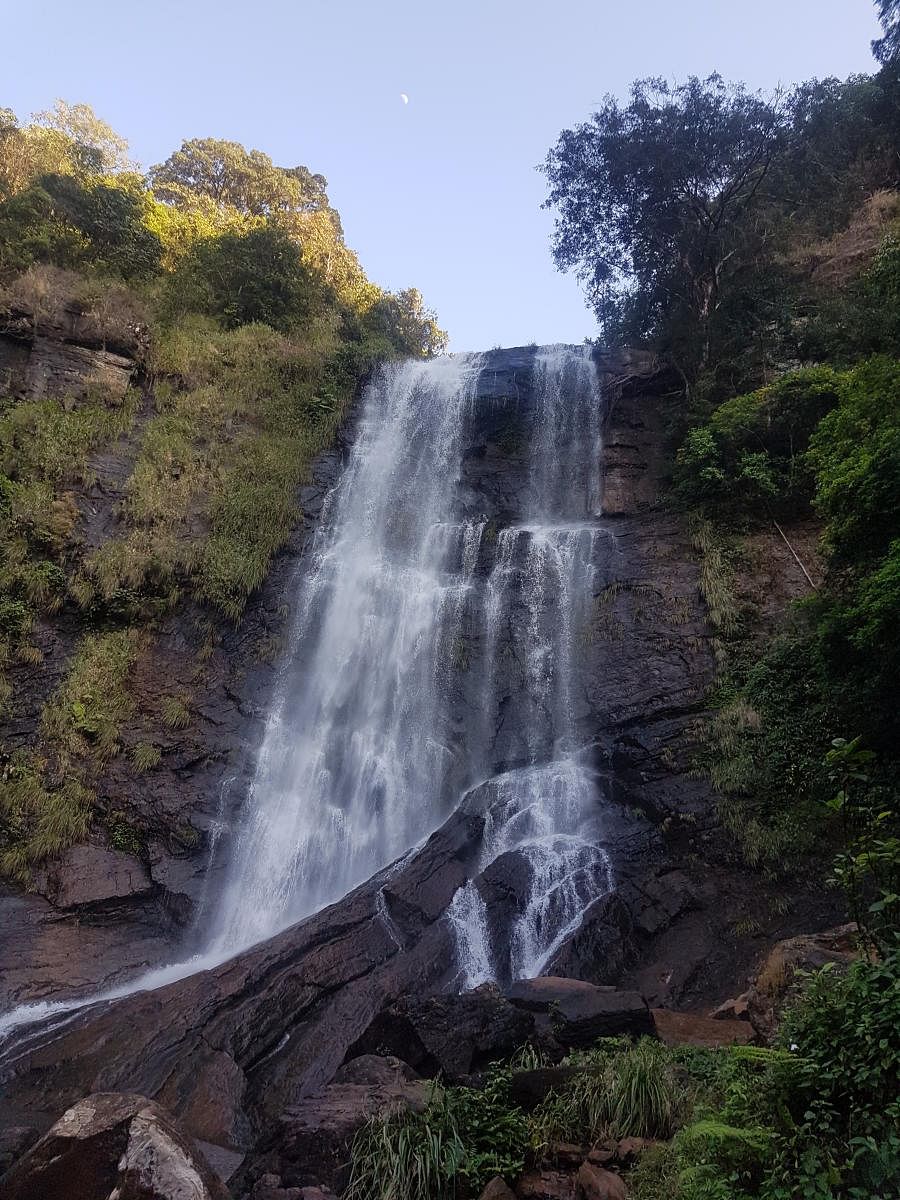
(404, 97)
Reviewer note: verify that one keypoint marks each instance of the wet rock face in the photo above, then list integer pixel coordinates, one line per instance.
(86, 874)
(114, 1144)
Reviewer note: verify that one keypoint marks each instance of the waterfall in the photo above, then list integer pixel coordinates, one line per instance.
(359, 761)
(546, 815)
(354, 763)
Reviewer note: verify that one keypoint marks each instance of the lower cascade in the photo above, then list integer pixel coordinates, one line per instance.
(434, 656)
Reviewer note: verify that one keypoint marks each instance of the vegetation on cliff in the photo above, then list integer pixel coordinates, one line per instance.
(754, 242)
(228, 281)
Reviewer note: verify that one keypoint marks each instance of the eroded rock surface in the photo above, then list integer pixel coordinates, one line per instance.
(113, 1145)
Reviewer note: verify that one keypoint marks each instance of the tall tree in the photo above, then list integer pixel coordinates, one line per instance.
(230, 175)
(656, 199)
(96, 145)
(887, 48)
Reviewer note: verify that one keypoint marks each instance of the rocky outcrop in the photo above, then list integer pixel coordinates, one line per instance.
(689, 1029)
(103, 915)
(88, 873)
(451, 1035)
(66, 350)
(112, 1144)
(777, 979)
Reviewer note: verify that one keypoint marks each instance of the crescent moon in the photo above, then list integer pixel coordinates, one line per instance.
(404, 97)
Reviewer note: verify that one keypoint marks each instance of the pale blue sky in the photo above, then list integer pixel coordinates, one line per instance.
(441, 194)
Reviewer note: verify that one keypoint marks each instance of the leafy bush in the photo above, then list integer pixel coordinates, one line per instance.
(749, 456)
(847, 1139)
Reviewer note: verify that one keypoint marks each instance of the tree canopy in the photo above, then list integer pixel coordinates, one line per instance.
(887, 48)
(245, 180)
(655, 198)
(233, 236)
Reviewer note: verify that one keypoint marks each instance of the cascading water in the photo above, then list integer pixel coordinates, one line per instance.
(537, 605)
(359, 760)
(355, 751)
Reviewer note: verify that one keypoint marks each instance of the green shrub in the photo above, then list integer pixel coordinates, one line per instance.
(847, 1139)
(748, 458)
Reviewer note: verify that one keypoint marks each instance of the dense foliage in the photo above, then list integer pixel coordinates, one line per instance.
(815, 1118)
(229, 279)
(755, 242)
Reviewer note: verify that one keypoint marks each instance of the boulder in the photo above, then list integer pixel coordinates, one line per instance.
(312, 1140)
(585, 1015)
(86, 874)
(453, 1035)
(545, 1185)
(689, 1029)
(601, 1155)
(775, 984)
(541, 994)
(594, 1183)
(112, 1143)
(375, 1070)
(528, 1088)
(630, 1148)
(737, 1009)
(565, 1154)
(497, 1190)
(268, 1187)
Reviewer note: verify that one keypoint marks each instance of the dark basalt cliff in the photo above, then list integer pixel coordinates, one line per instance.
(232, 1051)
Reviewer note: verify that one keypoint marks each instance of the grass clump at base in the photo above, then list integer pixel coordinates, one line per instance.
(463, 1138)
(620, 1090)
